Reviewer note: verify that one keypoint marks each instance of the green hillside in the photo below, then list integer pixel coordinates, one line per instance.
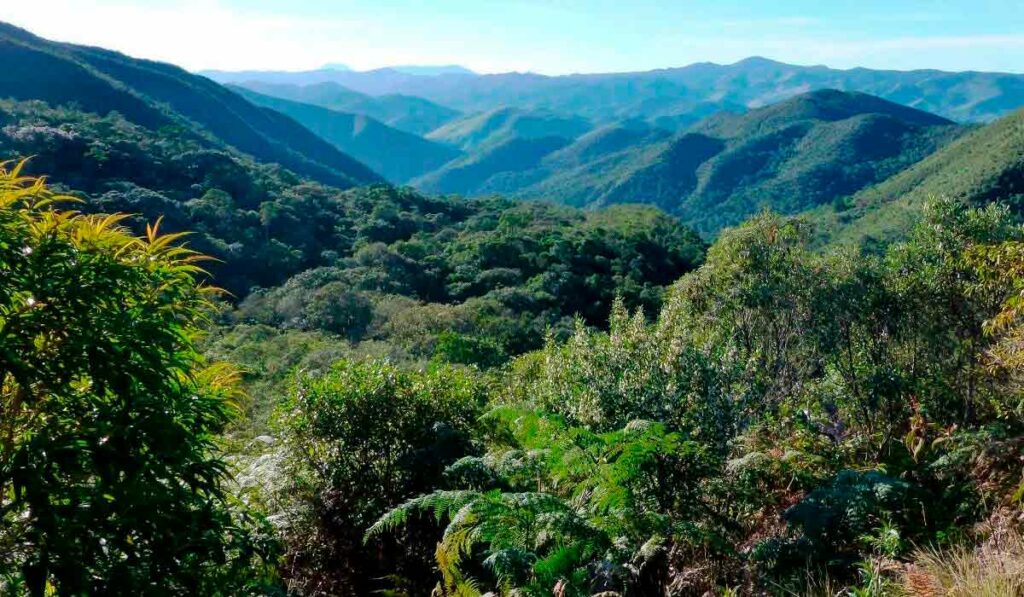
(266, 225)
(985, 165)
(814, 149)
(261, 222)
(495, 168)
(492, 128)
(605, 141)
(404, 112)
(825, 105)
(397, 155)
(156, 95)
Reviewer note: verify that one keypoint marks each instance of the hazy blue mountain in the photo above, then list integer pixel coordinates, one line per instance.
(496, 168)
(411, 114)
(433, 71)
(488, 129)
(155, 95)
(381, 81)
(397, 155)
(672, 94)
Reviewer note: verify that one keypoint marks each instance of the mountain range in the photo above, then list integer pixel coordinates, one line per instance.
(398, 155)
(809, 150)
(708, 143)
(405, 112)
(669, 95)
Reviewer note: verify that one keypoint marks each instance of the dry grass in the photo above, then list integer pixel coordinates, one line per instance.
(996, 569)
(814, 584)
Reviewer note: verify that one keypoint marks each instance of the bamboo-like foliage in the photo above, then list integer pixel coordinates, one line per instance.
(109, 479)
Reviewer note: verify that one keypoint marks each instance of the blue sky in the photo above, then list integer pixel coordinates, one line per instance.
(546, 36)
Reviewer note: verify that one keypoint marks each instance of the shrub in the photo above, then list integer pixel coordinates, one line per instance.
(364, 437)
(110, 481)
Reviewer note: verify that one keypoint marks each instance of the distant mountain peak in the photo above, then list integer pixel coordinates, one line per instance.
(759, 61)
(336, 66)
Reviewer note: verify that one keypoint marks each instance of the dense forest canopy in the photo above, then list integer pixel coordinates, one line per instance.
(850, 396)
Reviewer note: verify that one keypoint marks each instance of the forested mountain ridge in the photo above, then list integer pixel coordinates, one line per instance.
(404, 112)
(671, 94)
(983, 166)
(155, 95)
(395, 154)
(262, 222)
(806, 151)
(489, 276)
(489, 129)
(814, 149)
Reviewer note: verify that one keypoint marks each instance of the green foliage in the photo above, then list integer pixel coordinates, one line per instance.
(263, 224)
(490, 284)
(453, 347)
(110, 480)
(335, 261)
(569, 504)
(778, 414)
(364, 437)
(815, 408)
(833, 518)
(604, 381)
(980, 167)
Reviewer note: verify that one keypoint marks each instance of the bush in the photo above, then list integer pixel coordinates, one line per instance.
(365, 436)
(110, 482)
(832, 520)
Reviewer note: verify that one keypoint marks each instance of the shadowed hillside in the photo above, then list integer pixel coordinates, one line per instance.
(492, 128)
(397, 155)
(155, 95)
(404, 112)
(814, 149)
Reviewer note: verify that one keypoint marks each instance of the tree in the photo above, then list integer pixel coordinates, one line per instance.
(109, 478)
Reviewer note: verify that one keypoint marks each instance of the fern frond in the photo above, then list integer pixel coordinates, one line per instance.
(443, 504)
